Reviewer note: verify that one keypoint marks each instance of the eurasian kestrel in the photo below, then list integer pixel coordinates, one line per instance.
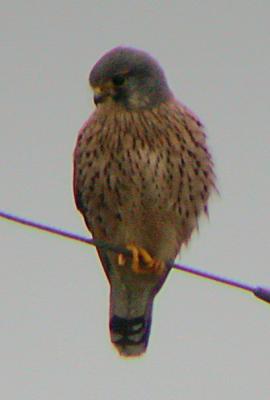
(142, 177)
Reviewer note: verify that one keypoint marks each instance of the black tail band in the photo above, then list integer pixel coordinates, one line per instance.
(127, 327)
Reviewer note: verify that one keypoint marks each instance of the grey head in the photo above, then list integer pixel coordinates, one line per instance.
(129, 77)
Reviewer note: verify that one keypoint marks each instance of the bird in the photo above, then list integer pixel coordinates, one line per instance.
(143, 175)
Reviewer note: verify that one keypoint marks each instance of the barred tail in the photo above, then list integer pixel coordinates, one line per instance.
(130, 331)
(130, 336)
(131, 304)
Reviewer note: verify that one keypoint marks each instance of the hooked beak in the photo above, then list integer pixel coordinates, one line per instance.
(99, 98)
(102, 93)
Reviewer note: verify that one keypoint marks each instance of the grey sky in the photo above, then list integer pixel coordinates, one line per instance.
(207, 341)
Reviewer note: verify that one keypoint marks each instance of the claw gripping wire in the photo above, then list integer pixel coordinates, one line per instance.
(262, 293)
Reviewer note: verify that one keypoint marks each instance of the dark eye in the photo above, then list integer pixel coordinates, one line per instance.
(118, 80)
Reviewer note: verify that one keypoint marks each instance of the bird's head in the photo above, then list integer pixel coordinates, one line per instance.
(130, 78)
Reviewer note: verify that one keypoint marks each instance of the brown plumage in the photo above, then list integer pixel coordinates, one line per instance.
(142, 176)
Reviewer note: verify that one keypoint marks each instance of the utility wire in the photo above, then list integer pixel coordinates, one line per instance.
(262, 293)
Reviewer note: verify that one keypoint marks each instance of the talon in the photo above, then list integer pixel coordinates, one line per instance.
(141, 261)
(158, 266)
(121, 259)
(135, 255)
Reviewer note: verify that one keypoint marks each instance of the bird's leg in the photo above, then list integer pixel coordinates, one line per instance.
(141, 261)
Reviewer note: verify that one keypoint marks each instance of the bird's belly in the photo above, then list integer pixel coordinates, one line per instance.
(144, 198)
(135, 206)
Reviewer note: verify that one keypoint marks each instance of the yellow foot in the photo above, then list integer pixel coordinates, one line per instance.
(142, 262)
